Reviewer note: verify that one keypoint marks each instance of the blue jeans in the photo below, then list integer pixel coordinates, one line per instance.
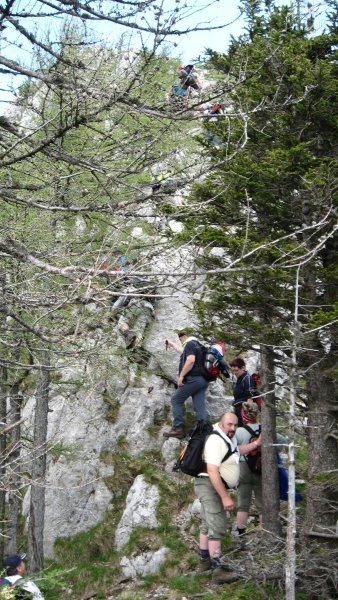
(194, 386)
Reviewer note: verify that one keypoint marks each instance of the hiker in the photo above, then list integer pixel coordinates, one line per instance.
(212, 489)
(243, 388)
(190, 382)
(15, 571)
(188, 77)
(249, 482)
(211, 111)
(165, 181)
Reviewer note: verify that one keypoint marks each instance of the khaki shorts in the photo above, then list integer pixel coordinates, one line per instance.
(249, 483)
(213, 515)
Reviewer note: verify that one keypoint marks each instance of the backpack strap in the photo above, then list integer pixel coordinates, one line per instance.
(252, 431)
(229, 452)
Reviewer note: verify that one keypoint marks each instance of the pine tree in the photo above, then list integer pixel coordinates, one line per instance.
(269, 205)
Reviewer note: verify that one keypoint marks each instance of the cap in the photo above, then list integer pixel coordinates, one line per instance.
(14, 560)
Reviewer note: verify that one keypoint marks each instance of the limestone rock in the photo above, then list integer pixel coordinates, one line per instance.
(140, 511)
(143, 564)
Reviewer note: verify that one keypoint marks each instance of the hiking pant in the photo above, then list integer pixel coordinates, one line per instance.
(249, 483)
(213, 515)
(194, 386)
(238, 411)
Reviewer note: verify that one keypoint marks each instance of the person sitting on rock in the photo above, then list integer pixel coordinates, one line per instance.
(188, 77)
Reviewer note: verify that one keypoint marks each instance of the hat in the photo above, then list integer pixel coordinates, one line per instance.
(14, 560)
(249, 412)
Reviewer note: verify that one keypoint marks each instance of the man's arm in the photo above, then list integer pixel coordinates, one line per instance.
(177, 347)
(188, 365)
(246, 448)
(215, 478)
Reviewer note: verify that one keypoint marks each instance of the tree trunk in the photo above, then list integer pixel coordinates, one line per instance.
(270, 482)
(290, 565)
(3, 415)
(14, 470)
(37, 498)
(322, 505)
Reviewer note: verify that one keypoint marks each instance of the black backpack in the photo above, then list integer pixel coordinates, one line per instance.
(254, 458)
(190, 460)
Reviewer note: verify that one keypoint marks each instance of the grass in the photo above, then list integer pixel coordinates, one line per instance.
(186, 584)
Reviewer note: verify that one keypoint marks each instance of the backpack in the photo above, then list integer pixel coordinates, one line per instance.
(190, 460)
(213, 361)
(254, 458)
(256, 378)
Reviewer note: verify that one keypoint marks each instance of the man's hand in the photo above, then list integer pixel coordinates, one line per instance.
(180, 381)
(228, 503)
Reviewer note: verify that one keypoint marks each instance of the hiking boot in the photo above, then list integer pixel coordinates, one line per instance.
(175, 432)
(204, 565)
(219, 576)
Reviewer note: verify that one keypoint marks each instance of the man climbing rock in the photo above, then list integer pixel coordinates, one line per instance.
(190, 382)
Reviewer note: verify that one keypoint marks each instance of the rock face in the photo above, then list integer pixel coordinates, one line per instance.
(108, 399)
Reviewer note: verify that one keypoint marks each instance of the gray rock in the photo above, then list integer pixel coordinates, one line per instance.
(140, 510)
(143, 564)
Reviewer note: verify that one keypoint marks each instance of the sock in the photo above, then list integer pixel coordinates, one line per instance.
(204, 554)
(241, 531)
(215, 562)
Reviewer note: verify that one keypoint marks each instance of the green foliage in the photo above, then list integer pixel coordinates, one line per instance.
(270, 188)
(68, 451)
(113, 407)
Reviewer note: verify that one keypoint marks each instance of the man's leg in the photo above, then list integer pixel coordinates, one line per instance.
(244, 495)
(177, 400)
(214, 522)
(241, 519)
(198, 387)
(238, 411)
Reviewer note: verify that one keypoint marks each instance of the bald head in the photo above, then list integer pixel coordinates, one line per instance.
(229, 424)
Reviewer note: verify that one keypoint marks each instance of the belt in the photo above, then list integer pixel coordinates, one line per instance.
(224, 482)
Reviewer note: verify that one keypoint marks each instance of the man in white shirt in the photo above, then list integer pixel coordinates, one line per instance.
(15, 571)
(212, 489)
